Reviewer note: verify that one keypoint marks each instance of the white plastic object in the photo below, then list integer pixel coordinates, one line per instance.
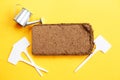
(15, 55)
(101, 45)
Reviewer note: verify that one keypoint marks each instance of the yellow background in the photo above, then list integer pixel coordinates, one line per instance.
(103, 15)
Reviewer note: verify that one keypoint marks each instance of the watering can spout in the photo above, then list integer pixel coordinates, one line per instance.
(33, 22)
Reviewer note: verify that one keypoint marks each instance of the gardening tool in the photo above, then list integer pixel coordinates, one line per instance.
(23, 17)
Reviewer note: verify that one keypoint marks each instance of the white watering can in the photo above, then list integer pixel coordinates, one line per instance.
(22, 18)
